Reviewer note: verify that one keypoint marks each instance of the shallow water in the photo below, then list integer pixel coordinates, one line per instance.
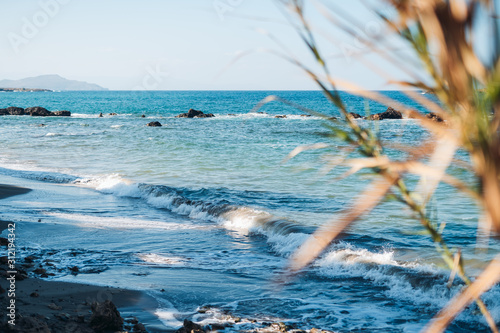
(206, 210)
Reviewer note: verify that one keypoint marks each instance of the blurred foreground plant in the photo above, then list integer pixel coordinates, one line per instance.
(440, 33)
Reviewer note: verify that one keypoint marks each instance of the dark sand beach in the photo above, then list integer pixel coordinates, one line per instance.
(52, 306)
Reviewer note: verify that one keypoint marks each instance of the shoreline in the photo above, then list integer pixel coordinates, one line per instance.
(55, 306)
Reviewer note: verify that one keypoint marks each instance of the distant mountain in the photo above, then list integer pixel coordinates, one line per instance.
(51, 82)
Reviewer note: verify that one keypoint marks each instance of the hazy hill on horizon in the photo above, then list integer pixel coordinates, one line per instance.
(51, 82)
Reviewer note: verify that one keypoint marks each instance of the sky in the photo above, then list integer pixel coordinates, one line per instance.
(177, 44)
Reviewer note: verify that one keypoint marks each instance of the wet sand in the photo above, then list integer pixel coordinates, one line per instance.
(53, 306)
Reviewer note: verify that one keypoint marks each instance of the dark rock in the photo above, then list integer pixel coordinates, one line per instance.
(113, 114)
(29, 259)
(54, 307)
(15, 111)
(143, 116)
(40, 271)
(105, 317)
(354, 115)
(31, 324)
(283, 116)
(74, 269)
(140, 328)
(261, 112)
(34, 294)
(4, 241)
(390, 113)
(4, 260)
(4, 112)
(38, 111)
(190, 327)
(192, 113)
(345, 312)
(62, 113)
(154, 124)
(434, 117)
(100, 115)
(305, 115)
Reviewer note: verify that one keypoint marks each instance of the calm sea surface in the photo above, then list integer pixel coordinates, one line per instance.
(206, 210)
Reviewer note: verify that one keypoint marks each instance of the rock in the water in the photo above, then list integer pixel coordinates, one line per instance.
(143, 116)
(105, 317)
(154, 124)
(113, 114)
(15, 111)
(280, 116)
(435, 117)
(354, 115)
(38, 111)
(139, 328)
(100, 115)
(192, 113)
(190, 327)
(390, 113)
(63, 113)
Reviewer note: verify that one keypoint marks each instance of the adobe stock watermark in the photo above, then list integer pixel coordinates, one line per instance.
(153, 78)
(371, 31)
(224, 6)
(31, 26)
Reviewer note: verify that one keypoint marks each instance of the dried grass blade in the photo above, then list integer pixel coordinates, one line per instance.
(313, 247)
(488, 278)
(302, 149)
(439, 161)
(456, 263)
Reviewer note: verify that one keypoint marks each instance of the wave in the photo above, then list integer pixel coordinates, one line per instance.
(409, 282)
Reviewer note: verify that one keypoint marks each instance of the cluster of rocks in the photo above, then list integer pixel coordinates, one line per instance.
(36, 111)
(192, 113)
(390, 113)
(191, 327)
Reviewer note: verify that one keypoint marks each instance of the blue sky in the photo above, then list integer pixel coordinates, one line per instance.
(170, 44)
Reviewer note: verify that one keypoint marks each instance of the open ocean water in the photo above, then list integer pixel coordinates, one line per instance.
(205, 210)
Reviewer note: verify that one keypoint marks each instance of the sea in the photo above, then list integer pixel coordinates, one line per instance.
(203, 214)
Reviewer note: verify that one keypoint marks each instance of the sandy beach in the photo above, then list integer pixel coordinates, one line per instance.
(52, 306)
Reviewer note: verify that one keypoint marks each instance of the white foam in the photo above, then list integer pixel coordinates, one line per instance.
(168, 317)
(91, 221)
(245, 219)
(112, 184)
(157, 259)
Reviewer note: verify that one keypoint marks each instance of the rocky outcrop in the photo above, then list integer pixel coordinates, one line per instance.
(36, 111)
(105, 317)
(280, 116)
(190, 327)
(353, 115)
(192, 113)
(15, 111)
(434, 117)
(63, 113)
(390, 113)
(154, 124)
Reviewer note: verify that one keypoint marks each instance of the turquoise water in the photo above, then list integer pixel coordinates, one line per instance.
(207, 210)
